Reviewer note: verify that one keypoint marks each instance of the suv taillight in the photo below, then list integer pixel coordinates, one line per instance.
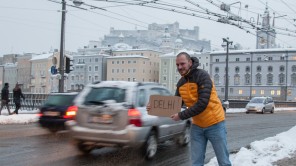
(134, 117)
(71, 112)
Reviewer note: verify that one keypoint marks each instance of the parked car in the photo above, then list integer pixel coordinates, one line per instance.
(261, 105)
(56, 110)
(113, 113)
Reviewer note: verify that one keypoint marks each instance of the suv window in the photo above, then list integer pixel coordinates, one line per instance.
(160, 91)
(142, 98)
(59, 100)
(97, 95)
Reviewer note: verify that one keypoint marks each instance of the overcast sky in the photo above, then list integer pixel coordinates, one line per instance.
(35, 25)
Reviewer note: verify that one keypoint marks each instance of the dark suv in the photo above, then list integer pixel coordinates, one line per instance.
(113, 113)
(56, 110)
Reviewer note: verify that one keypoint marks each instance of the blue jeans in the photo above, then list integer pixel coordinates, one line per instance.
(216, 134)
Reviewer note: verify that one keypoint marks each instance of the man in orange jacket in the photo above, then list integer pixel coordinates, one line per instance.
(204, 107)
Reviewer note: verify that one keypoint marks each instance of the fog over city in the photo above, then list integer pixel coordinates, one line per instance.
(35, 25)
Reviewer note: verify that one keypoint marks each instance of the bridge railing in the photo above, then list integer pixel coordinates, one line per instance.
(35, 100)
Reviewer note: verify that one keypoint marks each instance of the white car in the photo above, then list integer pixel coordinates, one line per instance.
(260, 105)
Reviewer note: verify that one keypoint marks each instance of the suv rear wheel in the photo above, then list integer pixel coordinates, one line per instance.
(150, 147)
(84, 149)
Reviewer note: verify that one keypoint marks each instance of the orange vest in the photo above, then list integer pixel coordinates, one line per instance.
(213, 113)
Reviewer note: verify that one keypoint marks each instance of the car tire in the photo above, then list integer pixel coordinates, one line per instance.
(184, 139)
(150, 147)
(272, 110)
(263, 111)
(53, 130)
(247, 112)
(84, 149)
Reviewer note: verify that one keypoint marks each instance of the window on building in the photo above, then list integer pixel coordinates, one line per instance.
(117, 70)
(164, 63)
(258, 79)
(240, 91)
(253, 92)
(89, 78)
(236, 79)
(89, 68)
(281, 78)
(165, 71)
(222, 90)
(164, 78)
(294, 68)
(272, 92)
(112, 70)
(278, 92)
(122, 70)
(248, 69)
(97, 60)
(112, 62)
(282, 68)
(216, 79)
(293, 79)
(237, 69)
(129, 62)
(258, 68)
(231, 90)
(96, 68)
(216, 69)
(135, 62)
(134, 70)
(262, 92)
(269, 68)
(217, 60)
(72, 78)
(122, 62)
(269, 79)
(282, 58)
(248, 59)
(247, 79)
(96, 78)
(237, 59)
(259, 59)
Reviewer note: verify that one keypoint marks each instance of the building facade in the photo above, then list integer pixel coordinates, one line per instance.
(261, 72)
(140, 65)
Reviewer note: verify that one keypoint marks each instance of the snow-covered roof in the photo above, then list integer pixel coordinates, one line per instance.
(190, 52)
(41, 56)
(127, 56)
(255, 50)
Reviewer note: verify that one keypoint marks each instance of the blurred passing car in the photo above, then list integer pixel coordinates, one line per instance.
(56, 110)
(261, 105)
(113, 113)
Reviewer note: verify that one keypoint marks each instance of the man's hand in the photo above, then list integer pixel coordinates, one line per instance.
(148, 107)
(175, 117)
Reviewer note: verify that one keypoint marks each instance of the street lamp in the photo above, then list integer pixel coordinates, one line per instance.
(62, 70)
(226, 43)
(286, 87)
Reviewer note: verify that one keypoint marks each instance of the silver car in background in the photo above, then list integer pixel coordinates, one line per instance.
(260, 105)
(113, 113)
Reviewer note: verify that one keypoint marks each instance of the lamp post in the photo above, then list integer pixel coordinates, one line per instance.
(226, 43)
(61, 70)
(286, 88)
(251, 78)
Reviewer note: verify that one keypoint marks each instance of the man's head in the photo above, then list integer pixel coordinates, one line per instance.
(183, 63)
(6, 84)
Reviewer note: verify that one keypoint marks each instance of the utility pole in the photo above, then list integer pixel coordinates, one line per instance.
(61, 69)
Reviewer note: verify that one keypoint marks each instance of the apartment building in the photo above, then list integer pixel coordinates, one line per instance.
(41, 79)
(140, 65)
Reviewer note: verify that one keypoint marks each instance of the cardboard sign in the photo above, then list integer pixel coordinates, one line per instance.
(164, 105)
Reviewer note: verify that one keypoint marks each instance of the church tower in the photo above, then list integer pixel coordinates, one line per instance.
(266, 35)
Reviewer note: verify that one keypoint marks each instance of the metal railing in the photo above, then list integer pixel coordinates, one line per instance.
(34, 101)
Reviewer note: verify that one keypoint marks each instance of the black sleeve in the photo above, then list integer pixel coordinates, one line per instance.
(205, 85)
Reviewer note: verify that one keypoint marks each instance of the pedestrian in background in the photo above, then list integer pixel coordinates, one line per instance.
(17, 95)
(5, 98)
